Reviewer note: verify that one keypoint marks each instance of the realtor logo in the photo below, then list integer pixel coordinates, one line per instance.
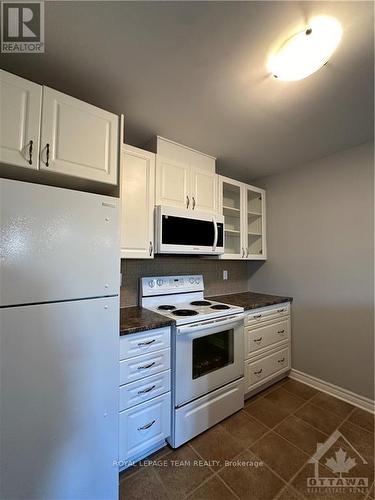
(22, 27)
(338, 456)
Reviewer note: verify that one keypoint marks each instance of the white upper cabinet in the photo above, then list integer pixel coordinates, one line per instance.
(204, 190)
(244, 210)
(20, 106)
(78, 139)
(137, 203)
(172, 183)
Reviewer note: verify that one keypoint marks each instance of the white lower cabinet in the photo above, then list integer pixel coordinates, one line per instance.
(267, 346)
(145, 394)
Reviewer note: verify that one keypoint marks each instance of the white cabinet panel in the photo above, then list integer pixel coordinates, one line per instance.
(255, 223)
(172, 183)
(270, 313)
(78, 139)
(136, 344)
(204, 191)
(144, 389)
(260, 371)
(137, 203)
(257, 339)
(142, 366)
(20, 108)
(144, 426)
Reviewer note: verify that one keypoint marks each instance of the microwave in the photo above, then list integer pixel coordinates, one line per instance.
(186, 232)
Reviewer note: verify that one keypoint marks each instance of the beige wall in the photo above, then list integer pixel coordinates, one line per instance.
(320, 251)
(212, 271)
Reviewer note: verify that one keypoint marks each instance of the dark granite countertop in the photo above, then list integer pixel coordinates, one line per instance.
(137, 319)
(251, 300)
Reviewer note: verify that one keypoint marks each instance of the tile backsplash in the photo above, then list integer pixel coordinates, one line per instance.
(212, 270)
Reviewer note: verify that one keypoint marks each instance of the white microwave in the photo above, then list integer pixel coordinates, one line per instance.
(181, 231)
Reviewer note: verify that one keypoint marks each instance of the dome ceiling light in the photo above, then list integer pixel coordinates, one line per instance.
(307, 51)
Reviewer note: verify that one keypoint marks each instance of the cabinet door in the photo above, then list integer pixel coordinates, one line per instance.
(172, 183)
(20, 105)
(231, 206)
(78, 139)
(204, 191)
(137, 203)
(255, 223)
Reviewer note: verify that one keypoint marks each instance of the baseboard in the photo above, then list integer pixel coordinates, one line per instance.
(348, 396)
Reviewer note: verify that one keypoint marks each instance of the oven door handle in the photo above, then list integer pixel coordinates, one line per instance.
(217, 323)
(215, 234)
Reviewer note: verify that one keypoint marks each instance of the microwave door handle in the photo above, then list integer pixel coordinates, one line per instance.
(207, 326)
(215, 234)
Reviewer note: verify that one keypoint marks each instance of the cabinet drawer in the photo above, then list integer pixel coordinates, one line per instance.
(142, 366)
(143, 342)
(267, 314)
(144, 389)
(144, 426)
(262, 369)
(257, 339)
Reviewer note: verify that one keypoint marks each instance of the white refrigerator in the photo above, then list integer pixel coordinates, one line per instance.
(59, 343)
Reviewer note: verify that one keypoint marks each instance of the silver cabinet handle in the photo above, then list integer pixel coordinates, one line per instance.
(31, 152)
(187, 201)
(147, 342)
(243, 252)
(257, 316)
(147, 426)
(151, 248)
(145, 391)
(280, 310)
(280, 331)
(193, 202)
(258, 372)
(47, 155)
(247, 252)
(144, 367)
(281, 360)
(258, 339)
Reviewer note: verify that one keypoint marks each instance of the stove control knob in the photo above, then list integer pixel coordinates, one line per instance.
(191, 281)
(151, 283)
(159, 282)
(197, 281)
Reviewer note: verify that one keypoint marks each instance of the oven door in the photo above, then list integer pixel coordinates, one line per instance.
(180, 231)
(208, 355)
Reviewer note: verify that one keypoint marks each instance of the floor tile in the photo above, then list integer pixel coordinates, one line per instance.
(332, 404)
(216, 445)
(301, 434)
(318, 417)
(249, 481)
(213, 489)
(289, 493)
(302, 390)
(320, 493)
(285, 400)
(363, 441)
(144, 484)
(182, 473)
(244, 428)
(266, 412)
(280, 455)
(362, 418)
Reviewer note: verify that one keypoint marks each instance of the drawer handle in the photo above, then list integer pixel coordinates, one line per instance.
(144, 391)
(147, 426)
(280, 331)
(257, 316)
(148, 342)
(280, 310)
(281, 360)
(258, 372)
(144, 367)
(258, 340)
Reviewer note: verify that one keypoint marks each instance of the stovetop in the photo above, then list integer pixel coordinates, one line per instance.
(188, 305)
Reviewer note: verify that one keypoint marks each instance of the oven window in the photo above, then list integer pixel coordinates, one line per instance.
(212, 352)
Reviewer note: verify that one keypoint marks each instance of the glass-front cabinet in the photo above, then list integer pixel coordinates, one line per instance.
(244, 210)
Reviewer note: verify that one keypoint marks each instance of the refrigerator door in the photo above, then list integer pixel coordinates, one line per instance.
(59, 400)
(56, 244)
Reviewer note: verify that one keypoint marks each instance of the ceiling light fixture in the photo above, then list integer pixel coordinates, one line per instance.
(307, 51)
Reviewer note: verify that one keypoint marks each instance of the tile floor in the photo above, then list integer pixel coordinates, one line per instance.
(268, 445)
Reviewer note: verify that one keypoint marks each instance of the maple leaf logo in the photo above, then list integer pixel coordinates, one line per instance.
(341, 463)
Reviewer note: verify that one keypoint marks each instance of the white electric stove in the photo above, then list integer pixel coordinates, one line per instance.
(207, 353)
